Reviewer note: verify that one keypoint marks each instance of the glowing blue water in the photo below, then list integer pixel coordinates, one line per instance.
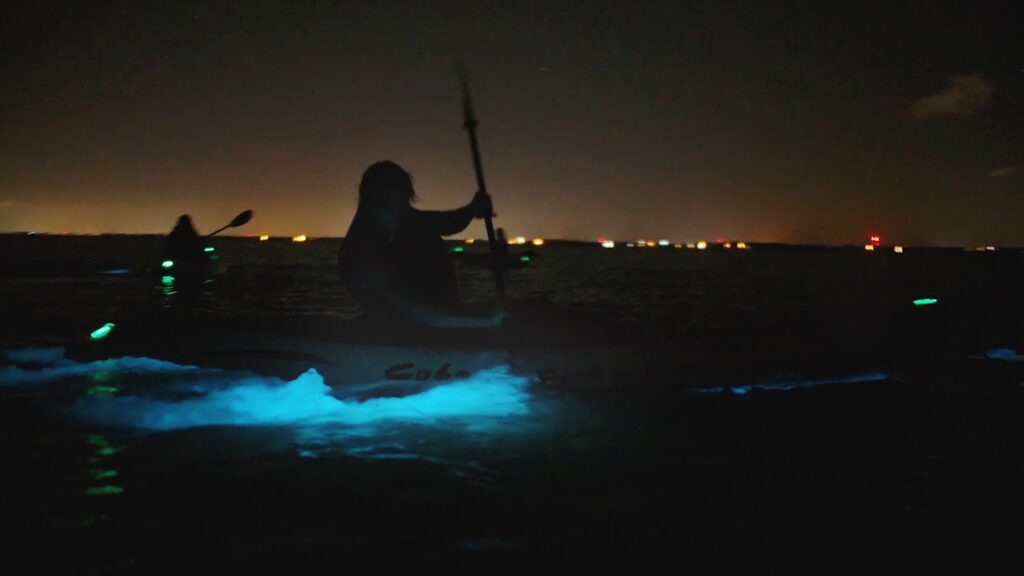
(153, 395)
(57, 367)
(792, 385)
(1005, 354)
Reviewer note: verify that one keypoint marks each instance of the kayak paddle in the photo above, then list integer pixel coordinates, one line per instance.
(239, 220)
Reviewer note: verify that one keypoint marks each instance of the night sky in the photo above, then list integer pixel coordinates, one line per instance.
(759, 121)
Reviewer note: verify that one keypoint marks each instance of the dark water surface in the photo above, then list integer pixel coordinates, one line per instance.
(850, 421)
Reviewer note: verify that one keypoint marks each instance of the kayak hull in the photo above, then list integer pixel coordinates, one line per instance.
(357, 359)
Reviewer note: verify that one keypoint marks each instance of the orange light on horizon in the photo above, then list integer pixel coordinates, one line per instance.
(538, 242)
(702, 245)
(742, 246)
(727, 245)
(869, 247)
(897, 249)
(264, 237)
(470, 240)
(299, 238)
(520, 240)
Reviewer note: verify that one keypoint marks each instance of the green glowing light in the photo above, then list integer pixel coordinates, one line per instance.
(97, 440)
(524, 258)
(167, 280)
(925, 301)
(107, 451)
(102, 391)
(458, 249)
(167, 264)
(102, 331)
(104, 491)
(215, 257)
(98, 474)
(208, 249)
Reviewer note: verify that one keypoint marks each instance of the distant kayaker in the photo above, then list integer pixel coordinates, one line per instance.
(183, 243)
(393, 259)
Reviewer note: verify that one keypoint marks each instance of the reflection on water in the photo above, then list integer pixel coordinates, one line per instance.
(101, 472)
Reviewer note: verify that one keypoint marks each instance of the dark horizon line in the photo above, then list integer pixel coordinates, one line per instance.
(623, 243)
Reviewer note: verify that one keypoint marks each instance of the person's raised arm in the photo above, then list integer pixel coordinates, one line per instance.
(448, 222)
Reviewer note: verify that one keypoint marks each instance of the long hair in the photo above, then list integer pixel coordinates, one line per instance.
(381, 178)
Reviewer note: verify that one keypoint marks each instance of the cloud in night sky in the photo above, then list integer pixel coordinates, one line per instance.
(1003, 172)
(965, 95)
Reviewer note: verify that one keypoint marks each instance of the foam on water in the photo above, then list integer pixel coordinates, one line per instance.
(54, 366)
(225, 398)
(307, 400)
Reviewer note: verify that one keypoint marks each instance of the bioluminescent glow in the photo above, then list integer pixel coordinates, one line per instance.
(792, 385)
(102, 331)
(107, 490)
(57, 367)
(1005, 354)
(208, 249)
(458, 249)
(488, 394)
(925, 301)
(167, 280)
(117, 272)
(167, 264)
(524, 258)
(98, 474)
(100, 390)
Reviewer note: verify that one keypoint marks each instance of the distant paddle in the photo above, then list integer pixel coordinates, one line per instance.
(240, 220)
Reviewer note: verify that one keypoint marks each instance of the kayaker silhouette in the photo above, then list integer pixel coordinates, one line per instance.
(183, 248)
(184, 243)
(393, 260)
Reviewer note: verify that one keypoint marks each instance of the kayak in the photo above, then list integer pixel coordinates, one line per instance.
(562, 350)
(358, 358)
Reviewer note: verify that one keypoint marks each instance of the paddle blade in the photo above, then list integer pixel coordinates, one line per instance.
(241, 219)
